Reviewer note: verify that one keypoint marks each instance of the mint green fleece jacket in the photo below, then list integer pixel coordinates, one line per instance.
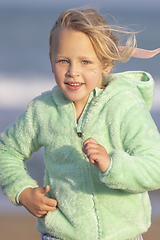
(91, 205)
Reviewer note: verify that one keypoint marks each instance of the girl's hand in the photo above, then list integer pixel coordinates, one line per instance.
(36, 203)
(96, 154)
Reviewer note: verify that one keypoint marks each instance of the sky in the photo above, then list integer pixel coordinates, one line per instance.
(132, 4)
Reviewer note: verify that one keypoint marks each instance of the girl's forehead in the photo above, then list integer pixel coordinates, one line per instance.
(72, 39)
(69, 32)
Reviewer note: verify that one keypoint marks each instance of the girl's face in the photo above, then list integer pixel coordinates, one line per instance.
(75, 65)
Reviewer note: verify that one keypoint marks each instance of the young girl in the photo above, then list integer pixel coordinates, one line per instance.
(102, 148)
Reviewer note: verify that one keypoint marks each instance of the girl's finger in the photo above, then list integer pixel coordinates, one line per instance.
(50, 202)
(89, 143)
(89, 140)
(93, 157)
(49, 209)
(90, 151)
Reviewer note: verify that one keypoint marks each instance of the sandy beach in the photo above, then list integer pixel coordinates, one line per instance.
(23, 227)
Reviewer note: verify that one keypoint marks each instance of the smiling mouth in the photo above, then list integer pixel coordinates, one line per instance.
(75, 84)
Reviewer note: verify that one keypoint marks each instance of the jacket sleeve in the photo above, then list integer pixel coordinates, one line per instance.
(17, 144)
(135, 167)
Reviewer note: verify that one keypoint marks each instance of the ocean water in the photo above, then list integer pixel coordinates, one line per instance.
(25, 68)
(24, 39)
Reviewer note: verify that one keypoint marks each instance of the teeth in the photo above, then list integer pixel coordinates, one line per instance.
(74, 84)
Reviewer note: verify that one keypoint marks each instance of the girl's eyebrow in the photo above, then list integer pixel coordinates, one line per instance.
(86, 57)
(61, 56)
(80, 57)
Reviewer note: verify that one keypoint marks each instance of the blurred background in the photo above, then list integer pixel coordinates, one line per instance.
(25, 72)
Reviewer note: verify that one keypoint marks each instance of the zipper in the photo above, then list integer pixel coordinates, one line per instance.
(89, 183)
(87, 170)
(91, 192)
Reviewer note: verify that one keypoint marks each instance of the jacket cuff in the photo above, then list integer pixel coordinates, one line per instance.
(18, 194)
(106, 173)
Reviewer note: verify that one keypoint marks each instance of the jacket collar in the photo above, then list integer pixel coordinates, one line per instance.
(60, 99)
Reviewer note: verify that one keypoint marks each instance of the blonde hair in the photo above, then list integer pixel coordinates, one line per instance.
(103, 37)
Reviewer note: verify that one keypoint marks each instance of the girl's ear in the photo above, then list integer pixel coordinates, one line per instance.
(107, 69)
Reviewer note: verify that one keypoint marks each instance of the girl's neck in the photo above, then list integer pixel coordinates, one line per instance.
(79, 107)
(79, 111)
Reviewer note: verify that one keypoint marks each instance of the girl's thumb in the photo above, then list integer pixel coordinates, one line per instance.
(46, 189)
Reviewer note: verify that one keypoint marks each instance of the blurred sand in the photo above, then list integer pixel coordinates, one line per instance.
(23, 227)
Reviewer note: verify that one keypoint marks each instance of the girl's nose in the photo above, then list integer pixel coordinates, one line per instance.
(73, 71)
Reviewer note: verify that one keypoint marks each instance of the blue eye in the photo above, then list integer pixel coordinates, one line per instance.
(85, 62)
(63, 61)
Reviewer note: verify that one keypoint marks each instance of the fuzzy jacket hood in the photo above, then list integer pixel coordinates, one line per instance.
(91, 205)
(141, 83)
